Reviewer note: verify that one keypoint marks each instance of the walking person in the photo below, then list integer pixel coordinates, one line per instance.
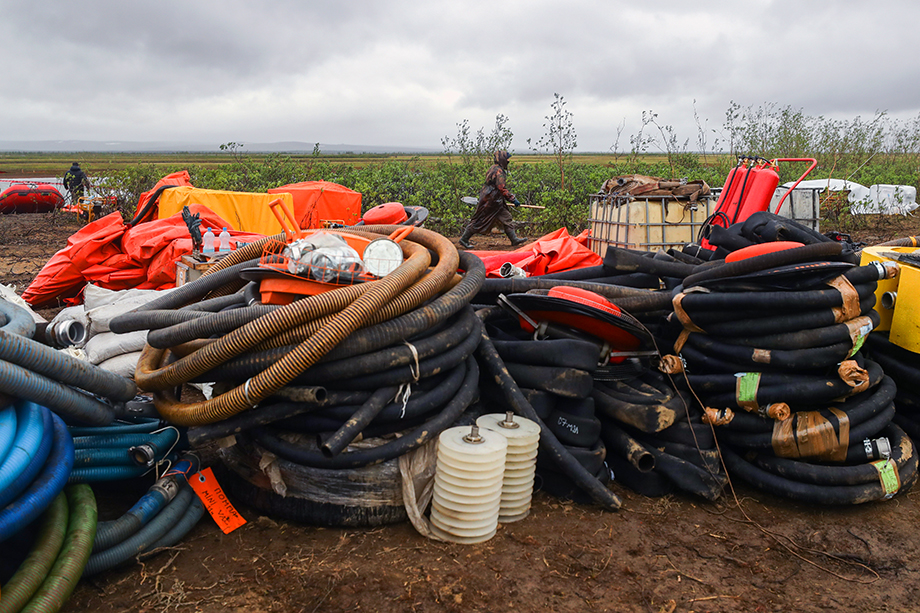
(76, 181)
(492, 209)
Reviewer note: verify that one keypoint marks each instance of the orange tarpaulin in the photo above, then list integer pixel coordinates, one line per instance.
(319, 201)
(243, 211)
(554, 252)
(108, 253)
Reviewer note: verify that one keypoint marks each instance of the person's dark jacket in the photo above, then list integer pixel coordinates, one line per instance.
(75, 180)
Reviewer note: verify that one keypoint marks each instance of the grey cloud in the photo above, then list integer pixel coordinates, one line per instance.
(404, 73)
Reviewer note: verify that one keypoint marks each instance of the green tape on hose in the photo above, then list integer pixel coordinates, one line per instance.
(746, 387)
(888, 476)
(859, 338)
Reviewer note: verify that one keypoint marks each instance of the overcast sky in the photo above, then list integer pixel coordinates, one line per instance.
(404, 73)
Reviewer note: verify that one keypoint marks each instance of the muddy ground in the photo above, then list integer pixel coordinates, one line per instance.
(747, 552)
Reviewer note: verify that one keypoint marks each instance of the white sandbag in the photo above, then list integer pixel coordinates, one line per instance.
(74, 313)
(95, 296)
(103, 305)
(124, 364)
(106, 345)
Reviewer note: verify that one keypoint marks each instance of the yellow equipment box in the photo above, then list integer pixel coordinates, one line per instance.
(897, 300)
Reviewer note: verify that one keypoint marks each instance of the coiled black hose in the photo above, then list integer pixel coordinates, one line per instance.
(548, 442)
(271, 440)
(720, 389)
(813, 493)
(328, 370)
(631, 299)
(766, 261)
(686, 475)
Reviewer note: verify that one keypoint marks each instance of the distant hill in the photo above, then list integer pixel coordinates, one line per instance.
(54, 146)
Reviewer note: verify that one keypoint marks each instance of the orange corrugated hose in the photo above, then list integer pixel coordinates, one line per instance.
(394, 294)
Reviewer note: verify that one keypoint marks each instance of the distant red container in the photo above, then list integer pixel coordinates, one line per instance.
(30, 198)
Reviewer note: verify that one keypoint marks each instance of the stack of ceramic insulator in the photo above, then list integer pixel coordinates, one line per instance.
(520, 463)
(468, 484)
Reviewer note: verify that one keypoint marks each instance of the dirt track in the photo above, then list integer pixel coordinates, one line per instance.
(747, 552)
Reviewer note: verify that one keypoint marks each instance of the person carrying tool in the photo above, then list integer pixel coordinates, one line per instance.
(75, 181)
(492, 209)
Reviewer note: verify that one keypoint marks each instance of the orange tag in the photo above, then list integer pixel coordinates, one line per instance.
(215, 501)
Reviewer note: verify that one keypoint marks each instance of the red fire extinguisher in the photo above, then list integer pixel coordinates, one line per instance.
(748, 189)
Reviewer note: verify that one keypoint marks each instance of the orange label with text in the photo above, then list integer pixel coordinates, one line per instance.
(215, 501)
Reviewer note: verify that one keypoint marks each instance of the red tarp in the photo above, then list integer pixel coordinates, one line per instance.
(554, 252)
(319, 201)
(109, 254)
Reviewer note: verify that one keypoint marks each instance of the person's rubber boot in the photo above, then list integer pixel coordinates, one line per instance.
(465, 239)
(514, 238)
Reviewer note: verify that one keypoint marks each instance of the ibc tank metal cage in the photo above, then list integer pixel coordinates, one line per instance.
(645, 224)
(661, 222)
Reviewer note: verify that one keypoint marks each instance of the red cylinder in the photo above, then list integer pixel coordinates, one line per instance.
(746, 191)
(751, 191)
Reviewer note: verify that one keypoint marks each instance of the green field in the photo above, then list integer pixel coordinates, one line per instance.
(438, 181)
(53, 164)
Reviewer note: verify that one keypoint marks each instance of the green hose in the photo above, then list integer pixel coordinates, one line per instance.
(78, 544)
(33, 570)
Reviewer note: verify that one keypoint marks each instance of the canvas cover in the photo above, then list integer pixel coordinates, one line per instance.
(242, 211)
(319, 201)
(553, 252)
(115, 256)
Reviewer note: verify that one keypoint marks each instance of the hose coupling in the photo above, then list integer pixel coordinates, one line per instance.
(66, 333)
(143, 455)
(888, 269)
(167, 486)
(878, 449)
(888, 300)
